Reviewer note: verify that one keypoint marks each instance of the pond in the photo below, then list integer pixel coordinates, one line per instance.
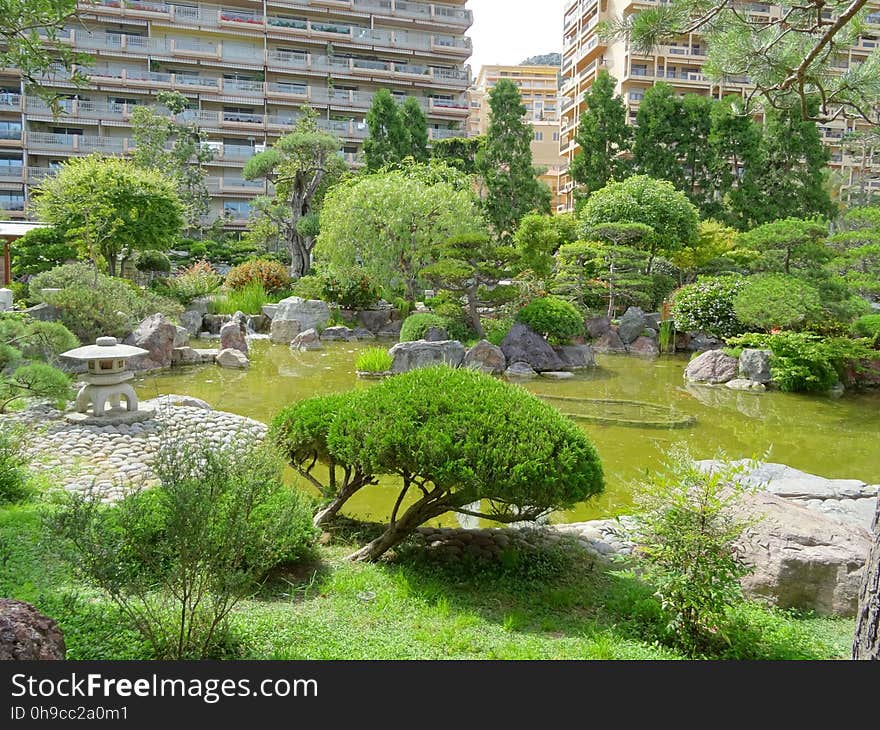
(632, 408)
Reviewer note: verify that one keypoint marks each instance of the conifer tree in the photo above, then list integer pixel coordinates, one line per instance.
(416, 125)
(388, 141)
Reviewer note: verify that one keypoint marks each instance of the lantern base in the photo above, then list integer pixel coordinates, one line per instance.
(113, 417)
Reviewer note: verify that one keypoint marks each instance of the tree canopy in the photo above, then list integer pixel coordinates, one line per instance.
(388, 141)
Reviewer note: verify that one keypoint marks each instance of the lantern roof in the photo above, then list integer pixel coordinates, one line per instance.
(105, 348)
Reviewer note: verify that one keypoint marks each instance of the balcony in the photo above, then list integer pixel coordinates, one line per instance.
(234, 186)
(75, 143)
(12, 202)
(12, 173)
(10, 102)
(436, 134)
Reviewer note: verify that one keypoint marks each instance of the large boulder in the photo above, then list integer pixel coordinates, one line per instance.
(520, 370)
(609, 342)
(308, 340)
(435, 333)
(374, 320)
(232, 358)
(156, 334)
(391, 330)
(631, 325)
(338, 333)
(192, 322)
(712, 367)
(801, 558)
(258, 323)
(5, 300)
(485, 357)
(575, 357)
(420, 354)
(233, 334)
(181, 339)
(26, 634)
(597, 326)
(282, 331)
(212, 323)
(523, 344)
(310, 313)
(185, 356)
(647, 346)
(863, 374)
(755, 365)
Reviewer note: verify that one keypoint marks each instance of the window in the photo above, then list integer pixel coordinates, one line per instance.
(11, 201)
(237, 209)
(539, 137)
(67, 130)
(10, 130)
(556, 136)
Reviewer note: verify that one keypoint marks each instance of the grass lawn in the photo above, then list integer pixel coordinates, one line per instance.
(540, 607)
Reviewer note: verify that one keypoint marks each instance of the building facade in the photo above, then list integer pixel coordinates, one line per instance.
(539, 88)
(247, 67)
(680, 64)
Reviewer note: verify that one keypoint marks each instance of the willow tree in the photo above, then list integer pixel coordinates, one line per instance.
(301, 166)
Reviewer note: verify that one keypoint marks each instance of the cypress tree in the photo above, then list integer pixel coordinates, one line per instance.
(416, 124)
(388, 141)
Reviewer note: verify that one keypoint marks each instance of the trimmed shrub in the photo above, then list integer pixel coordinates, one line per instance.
(310, 286)
(707, 306)
(39, 250)
(416, 325)
(867, 326)
(23, 339)
(374, 360)
(14, 479)
(777, 301)
(555, 318)
(152, 261)
(350, 289)
(272, 275)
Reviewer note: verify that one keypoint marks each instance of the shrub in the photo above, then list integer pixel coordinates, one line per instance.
(37, 380)
(23, 339)
(867, 326)
(497, 329)
(310, 286)
(374, 360)
(249, 300)
(178, 557)
(707, 306)
(152, 261)
(14, 479)
(350, 289)
(555, 318)
(40, 249)
(451, 309)
(416, 325)
(777, 301)
(456, 436)
(197, 280)
(803, 361)
(272, 275)
(686, 539)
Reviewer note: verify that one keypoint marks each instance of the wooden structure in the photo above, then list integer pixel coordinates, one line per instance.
(11, 231)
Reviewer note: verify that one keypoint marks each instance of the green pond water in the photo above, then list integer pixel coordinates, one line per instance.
(834, 437)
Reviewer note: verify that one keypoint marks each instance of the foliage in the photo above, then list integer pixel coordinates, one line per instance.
(249, 300)
(302, 166)
(868, 326)
(686, 536)
(459, 318)
(416, 124)
(177, 558)
(777, 301)
(654, 203)
(14, 478)
(555, 318)
(39, 250)
(271, 274)
(388, 142)
(458, 152)
(803, 361)
(374, 360)
(389, 223)
(497, 329)
(416, 325)
(23, 339)
(152, 261)
(603, 135)
(788, 245)
(714, 242)
(106, 205)
(856, 246)
(708, 306)
(197, 280)
(350, 288)
(539, 237)
(37, 380)
(505, 164)
(310, 286)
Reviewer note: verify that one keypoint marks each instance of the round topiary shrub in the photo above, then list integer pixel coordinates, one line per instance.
(555, 318)
(273, 275)
(707, 306)
(152, 261)
(416, 325)
(777, 301)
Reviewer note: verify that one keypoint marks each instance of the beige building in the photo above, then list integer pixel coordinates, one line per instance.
(247, 66)
(680, 64)
(539, 88)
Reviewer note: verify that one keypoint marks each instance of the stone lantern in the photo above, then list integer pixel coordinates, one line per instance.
(106, 383)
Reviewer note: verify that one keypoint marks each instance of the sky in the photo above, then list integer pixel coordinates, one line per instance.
(509, 31)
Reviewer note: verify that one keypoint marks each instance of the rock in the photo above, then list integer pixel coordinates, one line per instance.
(5, 300)
(520, 370)
(574, 357)
(374, 320)
(269, 310)
(391, 330)
(743, 384)
(156, 334)
(26, 634)
(755, 365)
(800, 558)
(233, 335)
(43, 312)
(362, 333)
(485, 357)
(185, 356)
(652, 320)
(207, 355)
(310, 313)
(436, 334)
(557, 374)
(597, 326)
(258, 323)
(283, 330)
(232, 358)
(523, 344)
(683, 341)
(631, 325)
(192, 322)
(181, 338)
(213, 322)
(609, 342)
(185, 401)
(713, 367)
(200, 305)
(647, 346)
(308, 340)
(421, 353)
(864, 374)
(701, 342)
(337, 333)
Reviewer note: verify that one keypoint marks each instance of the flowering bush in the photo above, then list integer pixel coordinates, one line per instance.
(273, 275)
(707, 306)
(195, 280)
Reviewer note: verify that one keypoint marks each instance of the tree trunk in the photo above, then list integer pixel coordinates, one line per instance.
(111, 264)
(866, 644)
(474, 314)
(327, 514)
(422, 511)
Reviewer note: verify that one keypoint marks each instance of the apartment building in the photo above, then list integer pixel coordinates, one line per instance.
(678, 63)
(247, 67)
(539, 88)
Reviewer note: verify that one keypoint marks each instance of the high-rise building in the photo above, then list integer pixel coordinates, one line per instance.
(539, 88)
(680, 64)
(247, 66)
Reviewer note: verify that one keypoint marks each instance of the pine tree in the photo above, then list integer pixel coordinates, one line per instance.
(736, 139)
(602, 135)
(505, 164)
(416, 125)
(388, 141)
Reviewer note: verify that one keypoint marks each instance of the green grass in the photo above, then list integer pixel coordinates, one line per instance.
(249, 300)
(540, 606)
(374, 360)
